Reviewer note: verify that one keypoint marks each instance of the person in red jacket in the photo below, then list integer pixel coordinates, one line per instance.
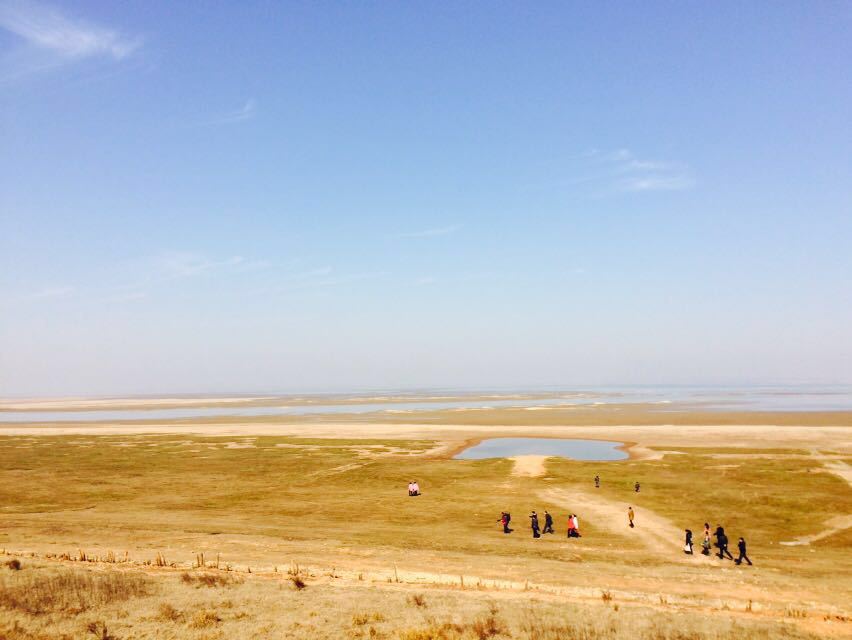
(572, 530)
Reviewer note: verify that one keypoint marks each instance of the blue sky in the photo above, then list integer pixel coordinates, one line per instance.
(310, 196)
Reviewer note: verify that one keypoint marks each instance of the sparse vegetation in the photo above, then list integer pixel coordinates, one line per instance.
(46, 591)
(100, 631)
(204, 619)
(488, 625)
(207, 579)
(417, 599)
(166, 612)
(360, 619)
(259, 604)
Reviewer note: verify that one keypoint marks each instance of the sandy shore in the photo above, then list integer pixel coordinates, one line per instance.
(826, 438)
(200, 402)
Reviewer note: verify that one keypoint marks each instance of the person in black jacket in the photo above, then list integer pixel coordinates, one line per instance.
(548, 523)
(534, 525)
(687, 545)
(741, 545)
(722, 543)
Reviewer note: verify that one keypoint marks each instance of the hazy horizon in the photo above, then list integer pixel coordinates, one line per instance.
(323, 196)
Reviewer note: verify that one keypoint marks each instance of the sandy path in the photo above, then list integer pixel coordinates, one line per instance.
(838, 468)
(531, 466)
(654, 532)
(833, 525)
(837, 523)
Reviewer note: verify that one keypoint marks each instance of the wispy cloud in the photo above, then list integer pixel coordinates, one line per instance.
(172, 266)
(137, 279)
(184, 264)
(52, 292)
(127, 297)
(314, 280)
(45, 27)
(430, 233)
(622, 170)
(657, 183)
(50, 38)
(245, 112)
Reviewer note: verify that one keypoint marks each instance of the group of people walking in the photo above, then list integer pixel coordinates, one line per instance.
(535, 524)
(573, 530)
(721, 544)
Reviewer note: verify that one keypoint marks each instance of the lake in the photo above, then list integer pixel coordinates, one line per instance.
(596, 450)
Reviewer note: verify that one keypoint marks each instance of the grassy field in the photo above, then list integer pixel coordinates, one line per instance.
(41, 601)
(338, 508)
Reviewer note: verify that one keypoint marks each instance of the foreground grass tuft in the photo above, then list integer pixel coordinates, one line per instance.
(207, 579)
(418, 600)
(204, 619)
(71, 592)
(167, 613)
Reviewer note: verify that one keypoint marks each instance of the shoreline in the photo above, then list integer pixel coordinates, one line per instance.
(450, 437)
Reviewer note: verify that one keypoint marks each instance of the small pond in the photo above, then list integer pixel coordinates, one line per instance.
(596, 450)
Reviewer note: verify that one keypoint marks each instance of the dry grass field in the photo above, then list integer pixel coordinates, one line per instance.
(176, 532)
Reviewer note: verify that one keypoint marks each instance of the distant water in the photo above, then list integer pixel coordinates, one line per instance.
(295, 410)
(662, 398)
(597, 450)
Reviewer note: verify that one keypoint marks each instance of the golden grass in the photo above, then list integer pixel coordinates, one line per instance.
(401, 566)
(259, 608)
(39, 592)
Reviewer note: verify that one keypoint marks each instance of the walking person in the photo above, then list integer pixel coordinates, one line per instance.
(548, 522)
(705, 544)
(722, 543)
(687, 545)
(636, 487)
(741, 545)
(571, 531)
(536, 532)
(576, 522)
(630, 516)
(504, 520)
(597, 482)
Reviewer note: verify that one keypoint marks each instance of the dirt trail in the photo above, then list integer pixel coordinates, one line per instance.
(838, 468)
(654, 532)
(833, 525)
(837, 523)
(531, 466)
